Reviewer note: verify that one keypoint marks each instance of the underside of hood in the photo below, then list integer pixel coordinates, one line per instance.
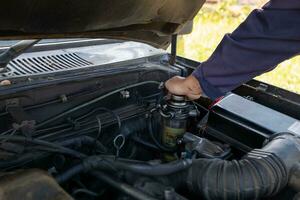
(149, 21)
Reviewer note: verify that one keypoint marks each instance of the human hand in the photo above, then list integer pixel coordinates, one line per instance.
(188, 86)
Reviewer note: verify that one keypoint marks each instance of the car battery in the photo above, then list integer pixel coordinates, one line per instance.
(246, 124)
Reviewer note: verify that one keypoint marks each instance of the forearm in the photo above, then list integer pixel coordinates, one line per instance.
(266, 38)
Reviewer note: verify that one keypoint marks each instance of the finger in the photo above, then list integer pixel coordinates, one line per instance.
(193, 96)
(192, 92)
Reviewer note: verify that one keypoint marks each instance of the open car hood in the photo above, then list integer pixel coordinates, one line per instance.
(149, 21)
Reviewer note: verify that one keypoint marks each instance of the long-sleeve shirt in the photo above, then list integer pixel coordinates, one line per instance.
(267, 37)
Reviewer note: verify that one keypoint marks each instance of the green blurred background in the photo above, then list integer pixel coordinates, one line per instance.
(216, 19)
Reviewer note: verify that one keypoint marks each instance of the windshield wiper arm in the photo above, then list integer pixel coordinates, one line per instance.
(14, 51)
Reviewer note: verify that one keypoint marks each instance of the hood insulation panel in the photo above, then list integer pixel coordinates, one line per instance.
(149, 21)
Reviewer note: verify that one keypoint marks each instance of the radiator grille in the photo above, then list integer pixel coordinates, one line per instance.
(44, 64)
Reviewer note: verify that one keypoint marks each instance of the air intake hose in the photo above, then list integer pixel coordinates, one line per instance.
(260, 173)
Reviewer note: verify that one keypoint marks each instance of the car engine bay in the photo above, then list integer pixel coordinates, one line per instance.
(121, 136)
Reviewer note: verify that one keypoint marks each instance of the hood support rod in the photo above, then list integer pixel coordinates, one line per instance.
(173, 50)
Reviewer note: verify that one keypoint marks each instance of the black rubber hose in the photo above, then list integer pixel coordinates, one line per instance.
(122, 187)
(20, 160)
(29, 157)
(261, 173)
(139, 167)
(154, 170)
(77, 169)
(84, 140)
(61, 148)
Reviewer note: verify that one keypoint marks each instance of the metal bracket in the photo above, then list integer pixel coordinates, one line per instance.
(23, 121)
(262, 87)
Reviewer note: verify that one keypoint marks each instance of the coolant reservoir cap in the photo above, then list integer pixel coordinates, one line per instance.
(177, 97)
(177, 107)
(177, 100)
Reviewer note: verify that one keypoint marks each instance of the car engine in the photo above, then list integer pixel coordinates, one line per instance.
(121, 136)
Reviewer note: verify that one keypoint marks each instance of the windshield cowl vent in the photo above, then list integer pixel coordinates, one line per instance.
(31, 66)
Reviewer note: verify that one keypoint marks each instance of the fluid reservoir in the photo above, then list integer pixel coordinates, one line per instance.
(174, 118)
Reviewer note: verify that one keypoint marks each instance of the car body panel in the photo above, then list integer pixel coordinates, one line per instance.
(149, 21)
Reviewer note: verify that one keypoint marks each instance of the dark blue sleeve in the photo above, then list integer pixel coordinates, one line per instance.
(267, 37)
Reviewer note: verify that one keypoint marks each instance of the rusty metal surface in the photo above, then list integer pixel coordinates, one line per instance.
(150, 21)
(32, 184)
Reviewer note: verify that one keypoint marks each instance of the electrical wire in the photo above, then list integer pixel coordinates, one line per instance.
(99, 127)
(49, 149)
(81, 131)
(144, 143)
(197, 104)
(65, 113)
(11, 134)
(53, 128)
(114, 114)
(43, 145)
(86, 104)
(89, 122)
(69, 97)
(99, 131)
(80, 124)
(85, 191)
